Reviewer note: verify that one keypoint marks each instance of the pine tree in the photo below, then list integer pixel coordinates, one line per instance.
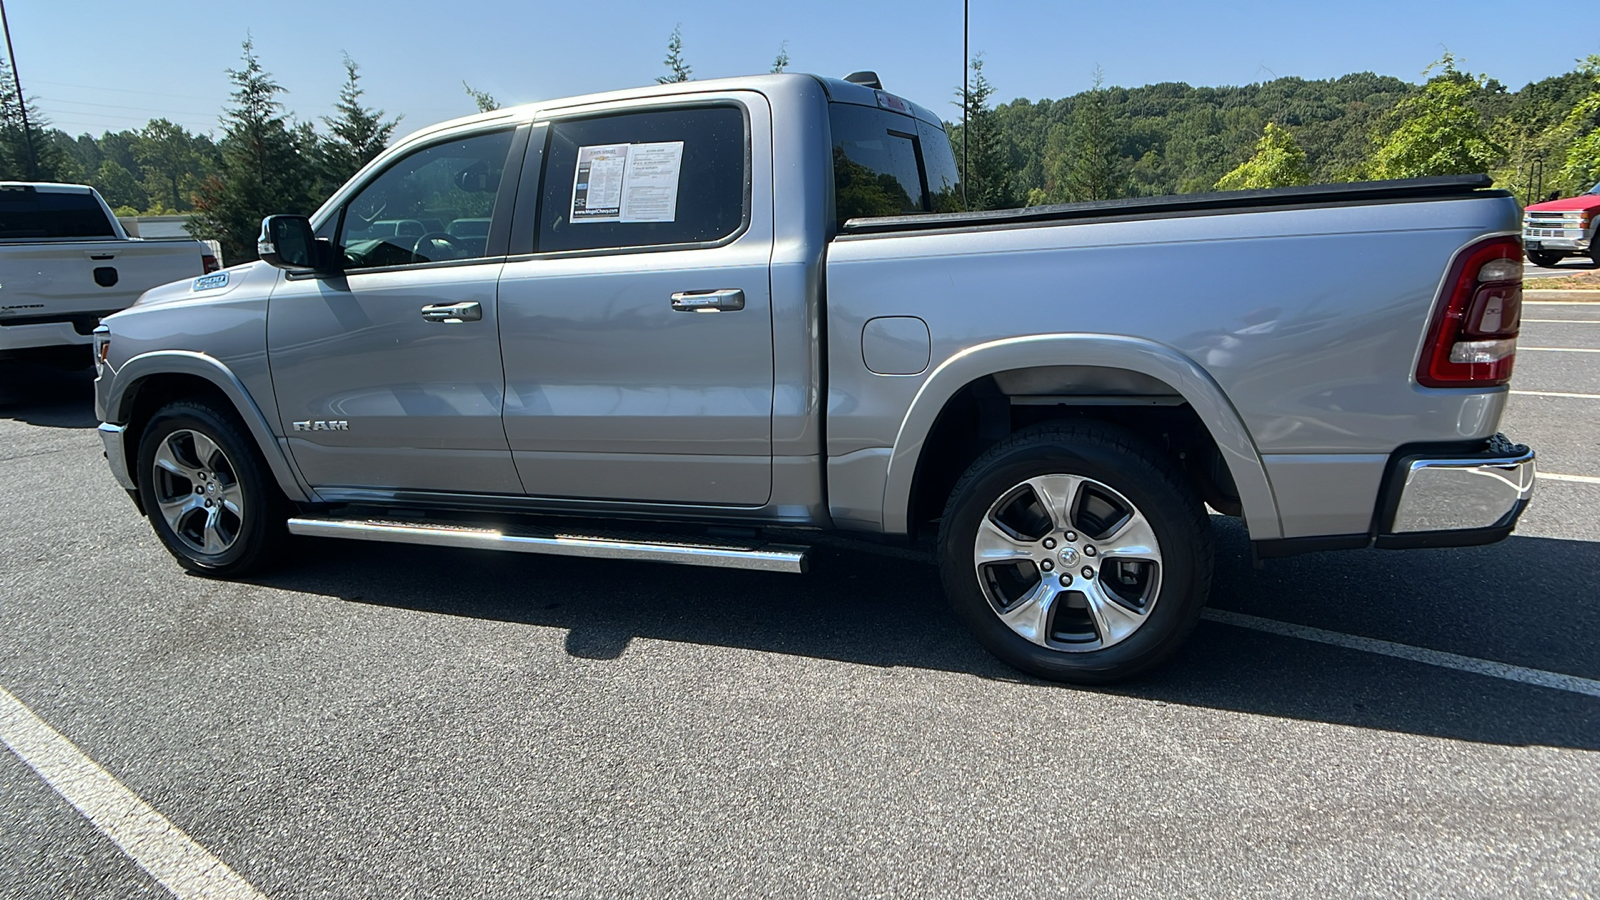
(1090, 163)
(985, 175)
(1278, 162)
(677, 69)
(358, 133)
(781, 61)
(485, 100)
(268, 166)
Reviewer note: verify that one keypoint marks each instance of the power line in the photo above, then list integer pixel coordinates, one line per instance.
(182, 112)
(79, 115)
(151, 112)
(89, 125)
(97, 88)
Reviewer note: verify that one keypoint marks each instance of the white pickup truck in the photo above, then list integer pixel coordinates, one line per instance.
(65, 262)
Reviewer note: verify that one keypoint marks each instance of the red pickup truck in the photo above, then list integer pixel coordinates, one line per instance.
(1557, 229)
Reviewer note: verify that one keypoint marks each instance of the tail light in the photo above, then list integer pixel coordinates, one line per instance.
(209, 263)
(1472, 341)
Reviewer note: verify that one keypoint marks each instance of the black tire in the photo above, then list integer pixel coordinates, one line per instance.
(1544, 258)
(1120, 470)
(240, 526)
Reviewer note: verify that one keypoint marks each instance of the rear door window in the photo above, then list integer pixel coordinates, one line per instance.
(29, 213)
(646, 179)
(876, 171)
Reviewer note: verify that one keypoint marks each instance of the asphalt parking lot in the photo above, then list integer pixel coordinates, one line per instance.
(379, 721)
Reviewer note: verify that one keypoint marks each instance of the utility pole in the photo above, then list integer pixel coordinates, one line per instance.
(966, 100)
(22, 103)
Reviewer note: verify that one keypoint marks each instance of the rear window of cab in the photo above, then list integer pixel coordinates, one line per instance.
(29, 213)
(888, 164)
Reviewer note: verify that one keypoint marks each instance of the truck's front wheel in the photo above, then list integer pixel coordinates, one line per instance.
(1543, 258)
(209, 496)
(1076, 553)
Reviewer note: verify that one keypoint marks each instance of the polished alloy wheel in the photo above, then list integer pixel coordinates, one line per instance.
(197, 492)
(1068, 563)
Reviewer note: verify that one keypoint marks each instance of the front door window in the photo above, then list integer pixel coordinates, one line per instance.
(433, 205)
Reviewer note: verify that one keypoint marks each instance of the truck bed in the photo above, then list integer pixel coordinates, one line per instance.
(1301, 310)
(1318, 195)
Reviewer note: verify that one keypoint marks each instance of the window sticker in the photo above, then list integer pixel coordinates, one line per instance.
(597, 185)
(650, 188)
(627, 182)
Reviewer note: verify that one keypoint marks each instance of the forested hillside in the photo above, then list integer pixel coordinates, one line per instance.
(1174, 138)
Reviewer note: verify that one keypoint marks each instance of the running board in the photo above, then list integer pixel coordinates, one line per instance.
(716, 553)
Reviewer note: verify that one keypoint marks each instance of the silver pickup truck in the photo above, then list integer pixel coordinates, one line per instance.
(698, 323)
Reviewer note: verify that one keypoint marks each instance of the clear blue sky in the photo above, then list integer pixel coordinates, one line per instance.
(97, 65)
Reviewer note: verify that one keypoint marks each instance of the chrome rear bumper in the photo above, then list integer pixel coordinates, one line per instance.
(1456, 501)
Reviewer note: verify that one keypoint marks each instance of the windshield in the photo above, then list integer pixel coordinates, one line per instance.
(1595, 189)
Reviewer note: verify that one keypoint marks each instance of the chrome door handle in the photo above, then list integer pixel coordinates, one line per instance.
(453, 313)
(727, 300)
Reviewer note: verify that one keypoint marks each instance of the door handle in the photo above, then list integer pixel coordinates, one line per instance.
(454, 313)
(727, 300)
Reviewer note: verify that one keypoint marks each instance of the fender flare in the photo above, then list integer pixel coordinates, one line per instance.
(1158, 361)
(187, 362)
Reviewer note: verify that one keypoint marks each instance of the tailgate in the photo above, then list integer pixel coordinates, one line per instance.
(80, 281)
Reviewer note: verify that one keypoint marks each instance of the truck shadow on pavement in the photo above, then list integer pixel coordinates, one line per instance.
(1522, 602)
(48, 396)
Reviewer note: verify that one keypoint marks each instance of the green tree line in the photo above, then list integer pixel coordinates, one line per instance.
(1172, 138)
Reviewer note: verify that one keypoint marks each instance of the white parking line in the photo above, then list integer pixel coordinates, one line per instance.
(1557, 394)
(1564, 321)
(1539, 677)
(1580, 479)
(1562, 349)
(161, 848)
(1589, 303)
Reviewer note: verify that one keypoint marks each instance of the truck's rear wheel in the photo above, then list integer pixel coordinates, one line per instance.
(1076, 553)
(1544, 258)
(209, 496)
